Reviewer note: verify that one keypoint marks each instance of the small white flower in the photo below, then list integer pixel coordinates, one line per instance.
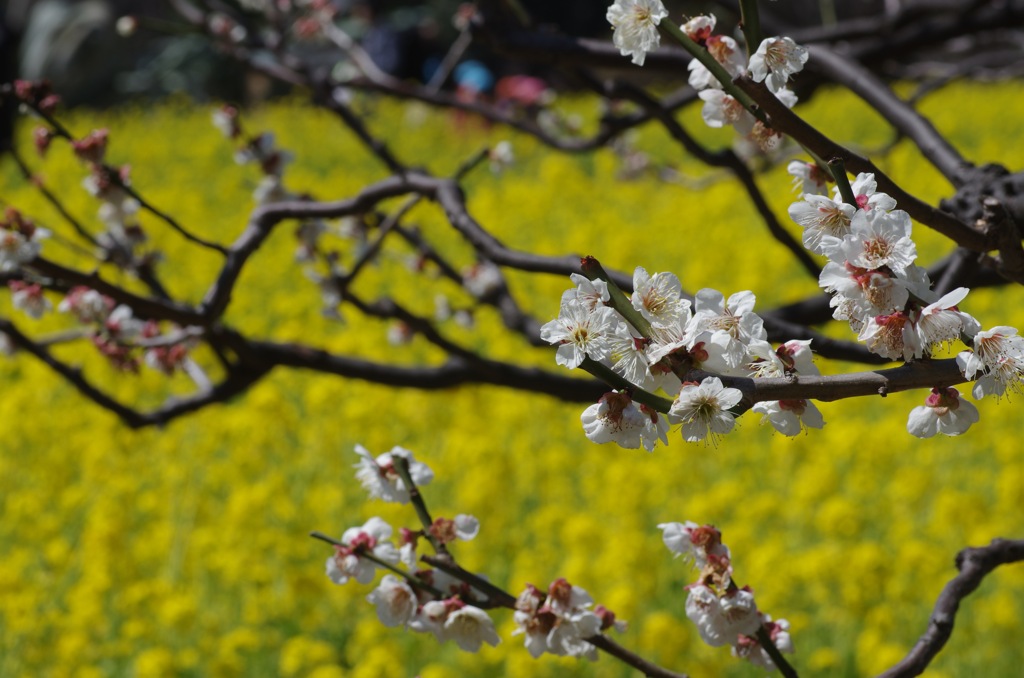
(943, 412)
(658, 298)
(998, 357)
(721, 109)
(943, 323)
(29, 298)
(466, 527)
(430, 618)
(808, 178)
(580, 334)
(694, 542)
(699, 28)
(380, 478)
(775, 60)
(747, 647)
(614, 418)
(87, 305)
(878, 238)
(501, 156)
(821, 218)
(865, 191)
(636, 26)
(860, 294)
(720, 621)
(703, 409)
(789, 417)
(891, 336)
(346, 562)
(16, 248)
(395, 600)
(590, 294)
(732, 322)
(482, 279)
(470, 627)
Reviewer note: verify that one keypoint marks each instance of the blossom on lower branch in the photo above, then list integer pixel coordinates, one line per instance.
(724, 613)
(560, 621)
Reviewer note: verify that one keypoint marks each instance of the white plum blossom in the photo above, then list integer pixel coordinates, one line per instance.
(225, 119)
(864, 189)
(379, 477)
(700, 27)
(808, 177)
(580, 334)
(789, 417)
(694, 542)
(721, 620)
(878, 238)
(613, 418)
(557, 626)
(589, 293)
(29, 298)
(658, 298)
(997, 361)
(943, 412)
(466, 526)
(628, 356)
(470, 627)
(942, 322)
(775, 60)
(821, 218)
(395, 601)
(347, 563)
(727, 52)
(19, 245)
(859, 293)
(501, 156)
(703, 409)
(87, 305)
(636, 26)
(732, 322)
(616, 418)
(798, 357)
(531, 622)
(787, 97)
(482, 278)
(891, 336)
(749, 648)
(430, 618)
(721, 109)
(270, 189)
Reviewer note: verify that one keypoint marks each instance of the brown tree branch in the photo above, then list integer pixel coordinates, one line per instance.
(974, 565)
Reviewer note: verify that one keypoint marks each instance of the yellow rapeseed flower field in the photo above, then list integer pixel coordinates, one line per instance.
(183, 551)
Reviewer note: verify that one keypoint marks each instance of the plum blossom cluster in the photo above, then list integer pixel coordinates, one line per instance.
(654, 340)
(20, 240)
(115, 331)
(110, 185)
(559, 622)
(430, 600)
(774, 61)
(724, 613)
(889, 301)
(423, 600)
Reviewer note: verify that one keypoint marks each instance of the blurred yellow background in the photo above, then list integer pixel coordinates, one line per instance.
(183, 551)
